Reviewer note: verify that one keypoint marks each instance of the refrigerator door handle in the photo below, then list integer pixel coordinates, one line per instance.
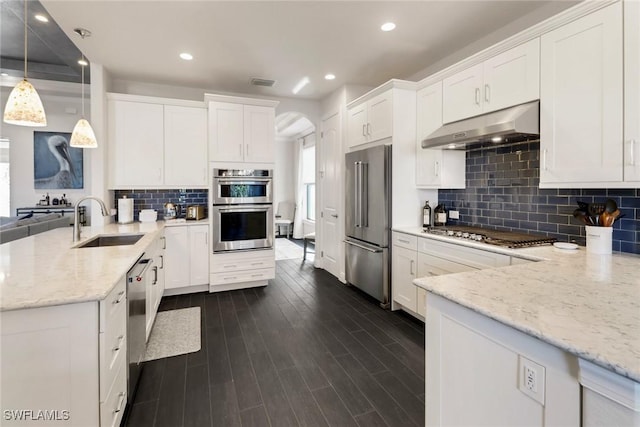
(364, 197)
(375, 251)
(357, 194)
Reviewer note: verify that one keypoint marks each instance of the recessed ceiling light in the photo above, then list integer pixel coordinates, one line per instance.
(83, 62)
(388, 26)
(41, 18)
(329, 76)
(302, 83)
(186, 56)
(451, 146)
(496, 139)
(4, 74)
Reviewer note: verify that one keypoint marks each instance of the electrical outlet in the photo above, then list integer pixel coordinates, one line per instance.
(531, 379)
(454, 214)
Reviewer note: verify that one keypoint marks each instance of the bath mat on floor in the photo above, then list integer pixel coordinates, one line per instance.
(174, 332)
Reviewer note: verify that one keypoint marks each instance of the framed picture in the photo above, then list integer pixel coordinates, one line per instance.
(55, 163)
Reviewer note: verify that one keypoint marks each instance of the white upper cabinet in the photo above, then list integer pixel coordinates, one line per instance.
(507, 79)
(185, 146)
(156, 145)
(259, 134)
(632, 90)
(581, 102)
(136, 134)
(435, 168)
(241, 133)
(371, 120)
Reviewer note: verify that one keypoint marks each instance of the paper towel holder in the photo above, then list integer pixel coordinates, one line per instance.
(125, 210)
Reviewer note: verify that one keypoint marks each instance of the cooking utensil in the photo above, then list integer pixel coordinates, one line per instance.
(605, 219)
(614, 215)
(582, 216)
(610, 206)
(595, 209)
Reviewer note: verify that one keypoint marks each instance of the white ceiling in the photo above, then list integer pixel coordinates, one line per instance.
(233, 41)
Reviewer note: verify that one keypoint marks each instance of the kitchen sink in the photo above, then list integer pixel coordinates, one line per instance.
(111, 240)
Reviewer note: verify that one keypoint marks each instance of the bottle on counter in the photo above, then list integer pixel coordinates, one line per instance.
(47, 199)
(440, 215)
(426, 215)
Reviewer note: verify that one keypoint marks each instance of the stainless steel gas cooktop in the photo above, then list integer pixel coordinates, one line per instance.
(492, 237)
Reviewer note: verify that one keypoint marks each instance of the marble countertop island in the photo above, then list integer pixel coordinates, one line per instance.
(48, 269)
(585, 304)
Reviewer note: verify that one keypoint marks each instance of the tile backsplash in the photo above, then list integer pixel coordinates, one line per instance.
(155, 199)
(502, 193)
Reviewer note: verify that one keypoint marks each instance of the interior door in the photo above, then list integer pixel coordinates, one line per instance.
(330, 245)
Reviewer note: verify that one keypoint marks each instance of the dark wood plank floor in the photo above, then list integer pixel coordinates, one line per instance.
(305, 350)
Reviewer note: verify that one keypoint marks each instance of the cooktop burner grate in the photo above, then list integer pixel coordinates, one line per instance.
(499, 238)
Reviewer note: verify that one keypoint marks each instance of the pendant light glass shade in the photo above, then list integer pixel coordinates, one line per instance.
(83, 136)
(24, 107)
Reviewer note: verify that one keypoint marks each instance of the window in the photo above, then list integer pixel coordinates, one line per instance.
(309, 181)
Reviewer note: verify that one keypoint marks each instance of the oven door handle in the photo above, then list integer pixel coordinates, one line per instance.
(243, 181)
(244, 209)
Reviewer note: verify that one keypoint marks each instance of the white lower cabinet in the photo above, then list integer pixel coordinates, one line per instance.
(241, 269)
(186, 261)
(68, 360)
(476, 369)
(414, 257)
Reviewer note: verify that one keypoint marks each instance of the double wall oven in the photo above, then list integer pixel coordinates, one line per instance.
(242, 209)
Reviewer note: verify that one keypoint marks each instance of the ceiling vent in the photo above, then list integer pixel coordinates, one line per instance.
(262, 82)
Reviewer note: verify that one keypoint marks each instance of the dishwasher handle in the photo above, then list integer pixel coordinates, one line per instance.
(147, 262)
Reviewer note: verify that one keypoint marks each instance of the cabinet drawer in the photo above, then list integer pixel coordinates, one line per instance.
(242, 276)
(112, 409)
(116, 299)
(405, 240)
(224, 266)
(471, 257)
(113, 350)
(429, 265)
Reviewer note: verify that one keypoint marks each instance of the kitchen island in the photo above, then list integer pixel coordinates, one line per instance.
(63, 316)
(571, 312)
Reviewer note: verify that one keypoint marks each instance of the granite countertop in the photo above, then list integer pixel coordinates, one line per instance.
(585, 304)
(45, 269)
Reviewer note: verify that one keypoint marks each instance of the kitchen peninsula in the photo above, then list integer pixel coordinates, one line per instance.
(522, 339)
(64, 324)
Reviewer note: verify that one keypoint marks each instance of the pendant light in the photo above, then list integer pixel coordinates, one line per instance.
(24, 107)
(83, 135)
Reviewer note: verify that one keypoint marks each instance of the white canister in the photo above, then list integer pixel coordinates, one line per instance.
(125, 210)
(599, 239)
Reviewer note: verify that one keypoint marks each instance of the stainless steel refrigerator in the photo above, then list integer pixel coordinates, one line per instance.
(368, 221)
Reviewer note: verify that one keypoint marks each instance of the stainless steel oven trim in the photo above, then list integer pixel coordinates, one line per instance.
(218, 246)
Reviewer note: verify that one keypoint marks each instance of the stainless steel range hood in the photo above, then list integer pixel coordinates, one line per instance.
(509, 125)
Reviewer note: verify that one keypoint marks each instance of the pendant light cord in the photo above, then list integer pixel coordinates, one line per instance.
(82, 87)
(25, 39)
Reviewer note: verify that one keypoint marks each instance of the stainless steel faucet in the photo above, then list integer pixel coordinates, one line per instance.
(76, 223)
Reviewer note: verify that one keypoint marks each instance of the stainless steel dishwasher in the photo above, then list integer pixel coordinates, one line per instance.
(136, 320)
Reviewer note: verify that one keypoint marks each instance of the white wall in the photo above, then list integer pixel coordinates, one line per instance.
(285, 171)
(23, 192)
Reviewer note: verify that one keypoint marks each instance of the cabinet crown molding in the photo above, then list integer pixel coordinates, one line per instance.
(261, 102)
(391, 84)
(154, 100)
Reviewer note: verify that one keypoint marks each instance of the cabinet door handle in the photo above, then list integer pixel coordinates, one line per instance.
(117, 347)
(404, 241)
(240, 149)
(155, 275)
(632, 151)
(229, 266)
(230, 278)
(486, 93)
(368, 128)
(334, 215)
(411, 267)
(477, 96)
(164, 242)
(120, 297)
(544, 159)
(120, 403)
(247, 145)
(436, 169)
(364, 130)
(161, 262)
(256, 275)
(206, 239)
